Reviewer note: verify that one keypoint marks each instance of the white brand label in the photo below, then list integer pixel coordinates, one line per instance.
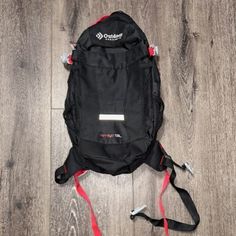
(111, 37)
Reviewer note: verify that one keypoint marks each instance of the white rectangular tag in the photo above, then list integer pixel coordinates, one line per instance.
(111, 117)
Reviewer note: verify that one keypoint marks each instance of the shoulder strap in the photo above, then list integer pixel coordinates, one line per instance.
(185, 197)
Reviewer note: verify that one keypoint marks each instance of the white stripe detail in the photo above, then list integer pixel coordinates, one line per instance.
(111, 117)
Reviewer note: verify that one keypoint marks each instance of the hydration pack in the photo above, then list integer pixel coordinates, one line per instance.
(113, 111)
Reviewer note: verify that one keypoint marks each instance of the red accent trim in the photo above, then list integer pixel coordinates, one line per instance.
(69, 60)
(165, 183)
(101, 19)
(151, 51)
(83, 194)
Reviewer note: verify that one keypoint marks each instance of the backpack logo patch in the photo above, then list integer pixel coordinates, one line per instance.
(111, 37)
(99, 35)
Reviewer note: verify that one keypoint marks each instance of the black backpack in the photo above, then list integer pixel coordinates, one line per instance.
(113, 111)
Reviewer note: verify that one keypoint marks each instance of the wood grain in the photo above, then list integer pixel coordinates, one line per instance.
(25, 53)
(197, 64)
(197, 45)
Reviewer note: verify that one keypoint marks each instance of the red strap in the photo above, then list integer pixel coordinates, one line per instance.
(82, 193)
(69, 60)
(151, 51)
(165, 183)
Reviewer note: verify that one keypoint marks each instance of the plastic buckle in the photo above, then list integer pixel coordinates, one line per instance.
(66, 59)
(188, 168)
(137, 210)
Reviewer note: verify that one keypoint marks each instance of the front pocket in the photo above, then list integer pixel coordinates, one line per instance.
(103, 92)
(117, 91)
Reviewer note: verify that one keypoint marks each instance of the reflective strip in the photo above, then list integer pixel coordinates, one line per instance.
(111, 117)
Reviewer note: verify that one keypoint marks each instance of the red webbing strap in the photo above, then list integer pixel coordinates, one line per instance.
(83, 194)
(165, 183)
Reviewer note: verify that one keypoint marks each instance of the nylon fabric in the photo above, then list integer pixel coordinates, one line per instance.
(112, 78)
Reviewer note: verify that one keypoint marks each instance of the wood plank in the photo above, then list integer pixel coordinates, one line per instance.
(25, 39)
(197, 64)
(192, 39)
(111, 196)
(69, 21)
(218, 166)
(197, 61)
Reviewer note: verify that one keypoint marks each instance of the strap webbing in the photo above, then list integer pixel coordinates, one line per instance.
(166, 181)
(189, 204)
(83, 194)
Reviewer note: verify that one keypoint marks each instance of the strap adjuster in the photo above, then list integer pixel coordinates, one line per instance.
(187, 167)
(137, 210)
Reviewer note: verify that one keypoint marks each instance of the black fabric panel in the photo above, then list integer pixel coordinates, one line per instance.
(113, 78)
(103, 89)
(118, 22)
(70, 114)
(103, 57)
(72, 164)
(154, 157)
(114, 161)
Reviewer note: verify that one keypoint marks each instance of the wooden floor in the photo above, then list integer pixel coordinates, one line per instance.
(197, 44)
